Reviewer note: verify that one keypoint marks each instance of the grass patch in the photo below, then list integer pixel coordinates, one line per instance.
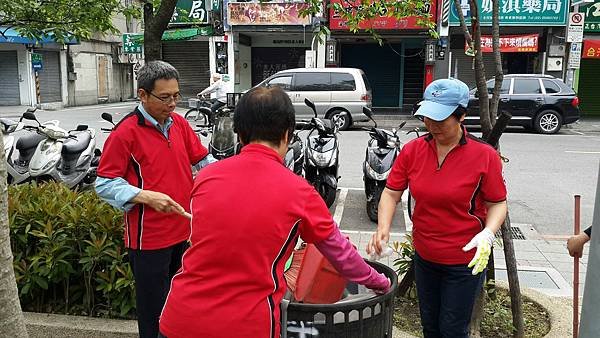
(497, 320)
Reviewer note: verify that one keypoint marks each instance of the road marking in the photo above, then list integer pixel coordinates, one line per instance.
(103, 107)
(408, 225)
(339, 207)
(577, 132)
(581, 152)
(355, 232)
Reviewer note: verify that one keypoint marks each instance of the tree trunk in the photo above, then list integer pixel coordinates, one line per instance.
(498, 76)
(477, 315)
(516, 305)
(480, 77)
(155, 24)
(12, 323)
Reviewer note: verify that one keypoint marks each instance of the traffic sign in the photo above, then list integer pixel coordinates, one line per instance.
(575, 30)
(575, 55)
(36, 61)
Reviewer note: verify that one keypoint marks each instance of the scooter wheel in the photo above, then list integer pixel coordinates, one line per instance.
(372, 210)
(328, 194)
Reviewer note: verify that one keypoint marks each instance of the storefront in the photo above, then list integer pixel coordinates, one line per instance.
(395, 69)
(530, 39)
(588, 85)
(267, 38)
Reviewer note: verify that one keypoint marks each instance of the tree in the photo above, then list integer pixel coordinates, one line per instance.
(157, 15)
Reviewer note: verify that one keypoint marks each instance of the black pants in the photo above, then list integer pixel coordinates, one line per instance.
(446, 296)
(153, 270)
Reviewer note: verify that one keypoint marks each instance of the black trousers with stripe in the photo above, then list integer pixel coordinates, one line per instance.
(153, 270)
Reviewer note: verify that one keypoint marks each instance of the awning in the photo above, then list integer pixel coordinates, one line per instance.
(13, 36)
(187, 33)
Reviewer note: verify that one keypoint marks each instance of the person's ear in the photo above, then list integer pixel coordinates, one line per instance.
(142, 95)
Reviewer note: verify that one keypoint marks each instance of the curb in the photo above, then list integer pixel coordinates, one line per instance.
(41, 325)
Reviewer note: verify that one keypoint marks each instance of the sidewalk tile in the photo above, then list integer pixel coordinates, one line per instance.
(558, 258)
(531, 255)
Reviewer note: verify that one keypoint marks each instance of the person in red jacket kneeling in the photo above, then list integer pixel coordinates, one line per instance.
(248, 212)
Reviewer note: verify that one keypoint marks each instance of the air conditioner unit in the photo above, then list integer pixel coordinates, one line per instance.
(554, 64)
(556, 50)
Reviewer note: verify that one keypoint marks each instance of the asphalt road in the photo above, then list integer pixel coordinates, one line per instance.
(543, 175)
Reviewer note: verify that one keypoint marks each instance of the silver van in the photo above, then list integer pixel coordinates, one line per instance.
(335, 91)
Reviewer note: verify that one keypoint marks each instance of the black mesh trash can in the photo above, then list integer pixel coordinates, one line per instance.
(350, 318)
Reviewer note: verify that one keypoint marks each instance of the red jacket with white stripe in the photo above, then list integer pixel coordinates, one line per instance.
(139, 153)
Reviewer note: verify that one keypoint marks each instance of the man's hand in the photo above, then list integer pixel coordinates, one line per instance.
(159, 202)
(575, 244)
(382, 235)
(483, 241)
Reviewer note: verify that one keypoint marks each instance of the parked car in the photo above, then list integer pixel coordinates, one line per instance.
(334, 91)
(539, 102)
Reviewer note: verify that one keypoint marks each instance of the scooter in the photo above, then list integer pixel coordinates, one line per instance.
(65, 156)
(382, 150)
(322, 156)
(17, 170)
(294, 157)
(224, 141)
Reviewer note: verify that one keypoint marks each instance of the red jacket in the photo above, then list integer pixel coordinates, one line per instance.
(139, 153)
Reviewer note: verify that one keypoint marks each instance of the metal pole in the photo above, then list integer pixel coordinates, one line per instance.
(577, 226)
(37, 88)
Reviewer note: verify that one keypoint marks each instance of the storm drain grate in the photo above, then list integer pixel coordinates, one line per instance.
(515, 233)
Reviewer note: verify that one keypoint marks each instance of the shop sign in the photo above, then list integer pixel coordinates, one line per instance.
(36, 61)
(382, 22)
(511, 43)
(132, 43)
(592, 17)
(266, 13)
(591, 49)
(190, 12)
(517, 12)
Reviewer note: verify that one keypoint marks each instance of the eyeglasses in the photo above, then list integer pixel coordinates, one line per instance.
(167, 99)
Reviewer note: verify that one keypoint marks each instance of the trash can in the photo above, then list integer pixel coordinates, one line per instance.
(356, 316)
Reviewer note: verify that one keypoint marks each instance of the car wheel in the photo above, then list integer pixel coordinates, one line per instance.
(343, 119)
(548, 122)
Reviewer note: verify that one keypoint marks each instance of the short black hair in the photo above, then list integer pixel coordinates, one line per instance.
(264, 114)
(155, 70)
(459, 112)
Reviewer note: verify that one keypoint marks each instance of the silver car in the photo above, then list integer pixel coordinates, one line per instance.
(335, 91)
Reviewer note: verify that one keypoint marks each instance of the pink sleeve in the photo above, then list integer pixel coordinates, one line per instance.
(347, 261)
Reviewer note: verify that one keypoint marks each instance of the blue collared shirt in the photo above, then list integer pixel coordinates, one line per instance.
(117, 191)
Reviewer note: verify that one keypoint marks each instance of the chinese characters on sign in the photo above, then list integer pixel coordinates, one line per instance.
(592, 17)
(511, 43)
(518, 12)
(382, 22)
(591, 49)
(190, 12)
(249, 13)
(132, 43)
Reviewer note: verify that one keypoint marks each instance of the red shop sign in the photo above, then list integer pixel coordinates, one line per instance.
(511, 43)
(591, 49)
(382, 22)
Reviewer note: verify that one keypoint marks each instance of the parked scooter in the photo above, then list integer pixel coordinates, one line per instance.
(382, 150)
(65, 156)
(322, 156)
(17, 170)
(294, 157)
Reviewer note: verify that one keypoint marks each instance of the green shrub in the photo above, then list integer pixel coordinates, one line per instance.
(68, 252)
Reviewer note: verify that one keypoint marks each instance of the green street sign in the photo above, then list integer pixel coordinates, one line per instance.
(592, 17)
(190, 12)
(517, 12)
(132, 43)
(36, 61)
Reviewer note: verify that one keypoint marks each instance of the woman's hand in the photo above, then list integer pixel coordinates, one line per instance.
(385, 213)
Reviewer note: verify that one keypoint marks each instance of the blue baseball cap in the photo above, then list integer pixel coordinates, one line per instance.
(442, 97)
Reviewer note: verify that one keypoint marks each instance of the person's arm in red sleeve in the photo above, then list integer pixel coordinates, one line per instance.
(318, 227)
(197, 154)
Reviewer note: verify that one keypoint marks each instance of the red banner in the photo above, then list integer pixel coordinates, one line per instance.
(511, 43)
(382, 22)
(591, 49)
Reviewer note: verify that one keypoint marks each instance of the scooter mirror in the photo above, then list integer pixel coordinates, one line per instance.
(311, 105)
(107, 117)
(31, 109)
(367, 111)
(29, 116)
(82, 127)
(401, 125)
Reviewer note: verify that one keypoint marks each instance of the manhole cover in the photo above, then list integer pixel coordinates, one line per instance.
(530, 279)
(515, 233)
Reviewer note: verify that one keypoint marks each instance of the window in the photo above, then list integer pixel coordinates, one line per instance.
(527, 86)
(285, 82)
(366, 81)
(504, 89)
(312, 81)
(551, 87)
(342, 82)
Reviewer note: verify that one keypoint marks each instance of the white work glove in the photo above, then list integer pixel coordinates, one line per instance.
(484, 242)
(387, 251)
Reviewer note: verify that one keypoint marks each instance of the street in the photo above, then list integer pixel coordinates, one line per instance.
(542, 175)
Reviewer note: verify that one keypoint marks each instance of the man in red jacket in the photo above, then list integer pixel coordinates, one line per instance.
(248, 213)
(145, 170)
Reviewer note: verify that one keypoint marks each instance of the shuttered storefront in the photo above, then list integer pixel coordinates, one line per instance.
(9, 79)
(589, 87)
(50, 83)
(190, 58)
(462, 67)
(267, 61)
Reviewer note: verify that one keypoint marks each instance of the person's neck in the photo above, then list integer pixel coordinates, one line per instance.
(451, 142)
(281, 150)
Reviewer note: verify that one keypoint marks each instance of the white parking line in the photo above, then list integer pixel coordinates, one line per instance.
(370, 232)
(581, 152)
(339, 208)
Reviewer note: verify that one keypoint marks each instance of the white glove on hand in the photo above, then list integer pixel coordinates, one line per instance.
(484, 242)
(387, 251)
